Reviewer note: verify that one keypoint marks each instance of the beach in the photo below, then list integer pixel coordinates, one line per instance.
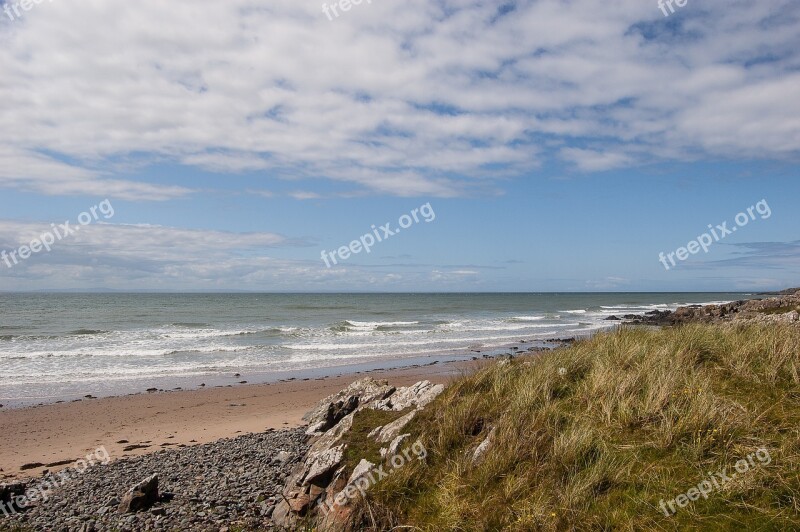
(65, 432)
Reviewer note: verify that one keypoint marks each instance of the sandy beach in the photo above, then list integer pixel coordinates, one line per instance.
(67, 431)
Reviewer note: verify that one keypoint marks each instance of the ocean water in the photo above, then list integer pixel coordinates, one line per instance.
(56, 346)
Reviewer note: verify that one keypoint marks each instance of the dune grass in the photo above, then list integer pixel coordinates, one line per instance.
(594, 436)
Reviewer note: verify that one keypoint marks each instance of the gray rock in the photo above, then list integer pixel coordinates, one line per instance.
(416, 396)
(363, 468)
(324, 463)
(394, 446)
(363, 391)
(392, 430)
(480, 451)
(140, 497)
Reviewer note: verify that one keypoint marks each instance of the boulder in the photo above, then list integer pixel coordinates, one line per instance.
(360, 392)
(389, 432)
(394, 446)
(322, 464)
(363, 468)
(140, 497)
(314, 487)
(416, 396)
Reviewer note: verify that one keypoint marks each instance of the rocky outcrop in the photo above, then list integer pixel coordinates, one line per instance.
(783, 308)
(322, 487)
(416, 396)
(333, 409)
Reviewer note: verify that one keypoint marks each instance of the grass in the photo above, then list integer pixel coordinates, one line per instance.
(358, 444)
(781, 310)
(639, 415)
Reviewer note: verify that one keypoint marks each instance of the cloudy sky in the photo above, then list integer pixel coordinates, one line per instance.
(561, 144)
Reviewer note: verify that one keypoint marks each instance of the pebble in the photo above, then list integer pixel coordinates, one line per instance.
(204, 487)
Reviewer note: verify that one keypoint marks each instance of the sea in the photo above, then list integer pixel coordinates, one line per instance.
(57, 346)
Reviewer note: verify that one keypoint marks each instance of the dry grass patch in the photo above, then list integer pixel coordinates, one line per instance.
(635, 416)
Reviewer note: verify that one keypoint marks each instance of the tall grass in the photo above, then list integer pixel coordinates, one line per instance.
(593, 436)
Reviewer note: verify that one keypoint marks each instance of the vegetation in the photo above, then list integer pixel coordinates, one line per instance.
(594, 436)
(781, 310)
(358, 444)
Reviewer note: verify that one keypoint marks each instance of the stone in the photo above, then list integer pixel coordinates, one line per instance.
(282, 457)
(480, 451)
(415, 396)
(392, 430)
(394, 446)
(140, 497)
(323, 463)
(363, 468)
(300, 503)
(363, 391)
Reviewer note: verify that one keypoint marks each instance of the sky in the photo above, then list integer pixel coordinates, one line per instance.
(533, 145)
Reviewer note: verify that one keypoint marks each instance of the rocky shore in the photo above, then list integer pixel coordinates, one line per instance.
(783, 307)
(275, 480)
(357, 437)
(231, 484)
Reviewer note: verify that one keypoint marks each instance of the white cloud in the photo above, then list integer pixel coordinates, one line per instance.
(402, 98)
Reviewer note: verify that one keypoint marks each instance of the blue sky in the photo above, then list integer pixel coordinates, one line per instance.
(561, 145)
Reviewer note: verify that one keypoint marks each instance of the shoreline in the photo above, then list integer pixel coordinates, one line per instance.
(60, 433)
(172, 384)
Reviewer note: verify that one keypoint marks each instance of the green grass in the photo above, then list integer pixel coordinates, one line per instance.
(639, 415)
(358, 444)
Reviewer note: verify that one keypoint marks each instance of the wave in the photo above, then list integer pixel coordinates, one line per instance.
(349, 326)
(85, 332)
(380, 323)
(527, 318)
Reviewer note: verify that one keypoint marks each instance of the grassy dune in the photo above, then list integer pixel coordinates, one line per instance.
(594, 436)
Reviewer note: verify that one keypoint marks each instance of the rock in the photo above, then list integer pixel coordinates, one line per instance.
(134, 447)
(323, 463)
(282, 457)
(394, 446)
(392, 430)
(140, 497)
(480, 451)
(612, 318)
(299, 504)
(363, 468)
(358, 393)
(417, 396)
